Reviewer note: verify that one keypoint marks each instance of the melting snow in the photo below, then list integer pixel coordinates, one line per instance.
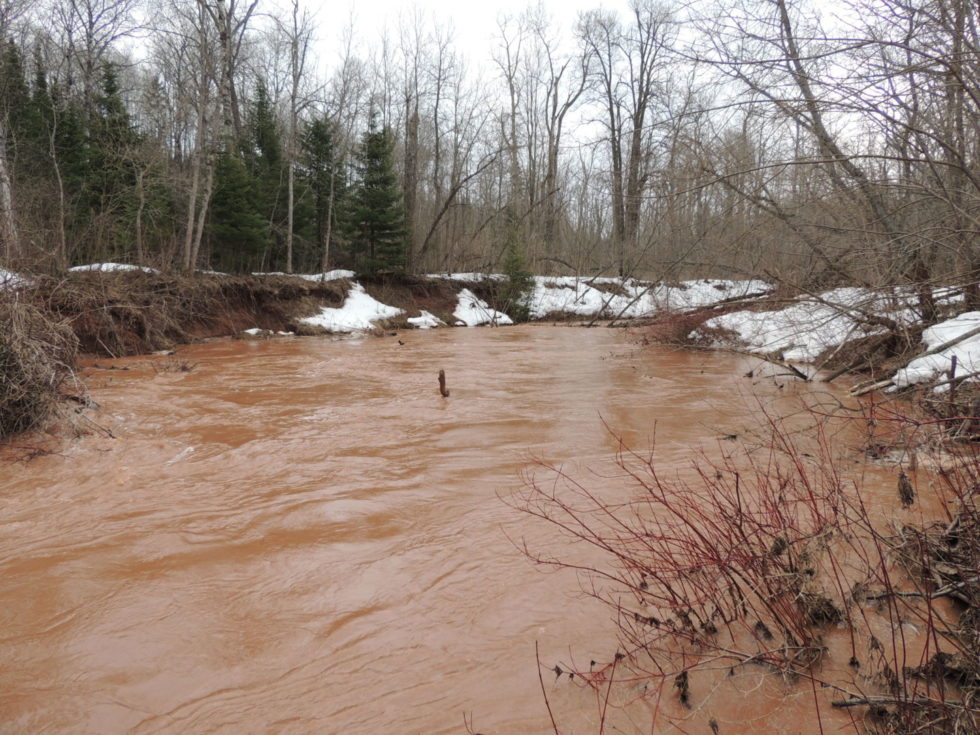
(472, 311)
(810, 325)
(112, 267)
(9, 279)
(634, 299)
(967, 352)
(333, 275)
(694, 294)
(799, 332)
(359, 311)
(471, 277)
(426, 321)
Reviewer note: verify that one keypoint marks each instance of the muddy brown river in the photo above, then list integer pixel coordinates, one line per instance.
(303, 536)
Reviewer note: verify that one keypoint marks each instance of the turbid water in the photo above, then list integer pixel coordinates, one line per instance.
(303, 536)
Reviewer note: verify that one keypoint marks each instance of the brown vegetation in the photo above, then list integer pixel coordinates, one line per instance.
(129, 313)
(754, 558)
(36, 359)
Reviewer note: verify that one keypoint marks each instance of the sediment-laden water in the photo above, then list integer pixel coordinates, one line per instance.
(303, 536)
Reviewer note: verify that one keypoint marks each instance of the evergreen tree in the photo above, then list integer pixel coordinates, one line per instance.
(111, 139)
(514, 292)
(266, 166)
(375, 217)
(237, 233)
(14, 98)
(325, 187)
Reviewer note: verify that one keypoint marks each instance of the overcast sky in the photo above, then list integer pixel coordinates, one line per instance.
(474, 21)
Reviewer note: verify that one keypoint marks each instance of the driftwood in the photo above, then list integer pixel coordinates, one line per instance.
(866, 387)
(443, 390)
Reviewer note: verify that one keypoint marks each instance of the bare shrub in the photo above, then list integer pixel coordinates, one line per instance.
(36, 357)
(750, 556)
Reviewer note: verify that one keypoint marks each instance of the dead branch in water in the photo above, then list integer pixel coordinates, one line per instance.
(443, 390)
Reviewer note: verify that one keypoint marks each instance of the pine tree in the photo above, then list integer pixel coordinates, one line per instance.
(375, 217)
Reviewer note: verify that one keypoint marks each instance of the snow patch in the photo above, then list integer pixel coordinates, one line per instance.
(471, 277)
(359, 312)
(799, 332)
(704, 292)
(637, 299)
(472, 311)
(333, 275)
(9, 279)
(111, 268)
(967, 352)
(426, 321)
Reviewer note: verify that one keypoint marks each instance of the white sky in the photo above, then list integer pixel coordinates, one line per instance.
(475, 22)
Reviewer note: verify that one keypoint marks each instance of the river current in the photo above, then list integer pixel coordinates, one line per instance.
(303, 536)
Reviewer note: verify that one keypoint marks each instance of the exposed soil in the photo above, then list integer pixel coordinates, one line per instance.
(131, 313)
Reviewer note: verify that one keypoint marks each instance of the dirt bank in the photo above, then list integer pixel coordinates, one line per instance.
(129, 312)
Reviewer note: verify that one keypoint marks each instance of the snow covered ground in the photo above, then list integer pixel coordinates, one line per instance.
(967, 351)
(629, 299)
(360, 311)
(9, 279)
(333, 275)
(111, 268)
(425, 320)
(473, 312)
(810, 325)
(469, 277)
(803, 329)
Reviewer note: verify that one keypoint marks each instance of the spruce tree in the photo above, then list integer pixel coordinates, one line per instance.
(237, 233)
(325, 185)
(266, 163)
(514, 292)
(375, 217)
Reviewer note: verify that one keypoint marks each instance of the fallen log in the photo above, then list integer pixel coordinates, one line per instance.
(864, 388)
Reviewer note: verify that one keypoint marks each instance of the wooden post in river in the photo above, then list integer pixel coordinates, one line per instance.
(442, 384)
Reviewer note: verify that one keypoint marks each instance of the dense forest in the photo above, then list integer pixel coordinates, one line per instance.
(807, 142)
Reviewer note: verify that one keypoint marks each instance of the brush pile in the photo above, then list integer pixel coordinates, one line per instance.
(36, 358)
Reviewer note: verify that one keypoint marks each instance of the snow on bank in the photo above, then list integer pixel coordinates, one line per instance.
(9, 279)
(967, 352)
(359, 311)
(629, 299)
(333, 275)
(468, 277)
(812, 324)
(111, 268)
(799, 332)
(472, 311)
(426, 321)
(704, 292)
(566, 295)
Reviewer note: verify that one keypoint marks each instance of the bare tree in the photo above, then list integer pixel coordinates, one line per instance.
(626, 65)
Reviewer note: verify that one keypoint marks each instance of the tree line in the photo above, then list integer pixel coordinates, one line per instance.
(809, 143)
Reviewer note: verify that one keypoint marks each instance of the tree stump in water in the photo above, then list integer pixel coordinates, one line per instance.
(442, 384)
